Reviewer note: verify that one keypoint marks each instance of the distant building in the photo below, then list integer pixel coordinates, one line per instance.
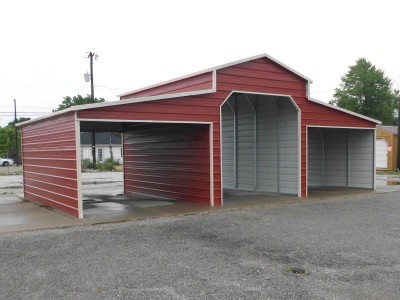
(386, 147)
(106, 143)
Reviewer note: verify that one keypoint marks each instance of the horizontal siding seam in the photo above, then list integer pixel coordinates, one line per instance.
(51, 192)
(60, 203)
(53, 184)
(43, 174)
(50, 142)
(183, 195)
(48, 167)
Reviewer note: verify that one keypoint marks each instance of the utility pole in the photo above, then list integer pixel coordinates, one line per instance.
(16, 132)
(398, 135)
(90, 56)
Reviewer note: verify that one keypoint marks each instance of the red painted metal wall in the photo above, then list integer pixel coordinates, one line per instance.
(49, 163)
(168, 160)
(202, 108)
(265, 76)
(257, 76)
(195, 83)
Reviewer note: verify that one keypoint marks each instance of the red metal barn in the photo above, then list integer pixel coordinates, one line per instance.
(247, 125)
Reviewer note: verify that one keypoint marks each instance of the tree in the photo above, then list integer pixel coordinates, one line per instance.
(7, 142)
(79, 100)
(76, 100)
(7, 139)
(19, 120)
(367, 91)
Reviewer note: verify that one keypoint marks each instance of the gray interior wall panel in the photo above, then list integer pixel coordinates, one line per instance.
(361, 158)
(245, 144)
(227, 121)
(289, 148)
(342, 157)
(315, 157)
(267, 158)
(335, 159)
(267, 142)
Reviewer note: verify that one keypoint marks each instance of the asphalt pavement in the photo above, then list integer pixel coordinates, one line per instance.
(348, 249)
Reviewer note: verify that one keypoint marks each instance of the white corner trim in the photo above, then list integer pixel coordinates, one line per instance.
(374, 164)
(299, 170)
(211, 145)
(78, 166)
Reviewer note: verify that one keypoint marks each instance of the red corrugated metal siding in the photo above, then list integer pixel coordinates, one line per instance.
(264, 76)
(168, 160)
(49, 163)
(195, 83)
(258, 76)
(202, 108)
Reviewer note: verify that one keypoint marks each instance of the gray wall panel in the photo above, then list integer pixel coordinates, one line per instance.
(315, 157)
(274, 166)
(335, 157)
(361, 158)
(227, 119)
(341, 157)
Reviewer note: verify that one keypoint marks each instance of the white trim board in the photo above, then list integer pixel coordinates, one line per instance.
(78, 166)
(142, 121)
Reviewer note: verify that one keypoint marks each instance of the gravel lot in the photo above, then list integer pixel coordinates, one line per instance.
(349, 249)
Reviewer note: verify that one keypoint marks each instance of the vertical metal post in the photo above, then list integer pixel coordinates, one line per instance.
(16, 133)
(279, 145)
(91, 54)
(323, 157)
(255, 143)
(235, 144)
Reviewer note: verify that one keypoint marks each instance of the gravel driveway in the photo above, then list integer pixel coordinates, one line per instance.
(349, 249)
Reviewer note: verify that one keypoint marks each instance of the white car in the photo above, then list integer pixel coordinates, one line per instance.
(6, 161)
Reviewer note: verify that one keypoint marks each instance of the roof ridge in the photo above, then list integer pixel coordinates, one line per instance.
(216, 68)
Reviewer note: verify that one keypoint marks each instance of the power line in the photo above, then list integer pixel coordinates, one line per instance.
(49, 87)
(28, 107)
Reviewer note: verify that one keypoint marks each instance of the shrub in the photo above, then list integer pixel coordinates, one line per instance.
(108, 165)
(87, 164)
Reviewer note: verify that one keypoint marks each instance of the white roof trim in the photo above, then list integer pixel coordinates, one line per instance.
(216, 68)
(119, 102)
(345, 111)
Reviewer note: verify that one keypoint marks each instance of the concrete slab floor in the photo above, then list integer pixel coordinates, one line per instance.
(103, 203)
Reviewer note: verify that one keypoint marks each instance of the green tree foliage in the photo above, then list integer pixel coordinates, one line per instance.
(19, 120)
(367, 91)
(7, 139)
(76, 100)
